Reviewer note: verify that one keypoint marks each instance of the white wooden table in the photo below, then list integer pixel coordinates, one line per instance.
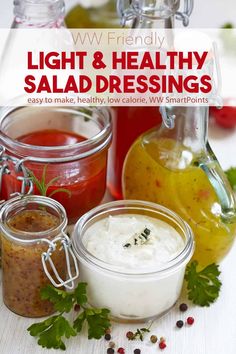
(214, 331)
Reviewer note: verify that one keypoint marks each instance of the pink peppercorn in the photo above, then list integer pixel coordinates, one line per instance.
(162, 345)
(190, 321)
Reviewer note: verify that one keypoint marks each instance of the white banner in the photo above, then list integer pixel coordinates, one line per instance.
(117, 67)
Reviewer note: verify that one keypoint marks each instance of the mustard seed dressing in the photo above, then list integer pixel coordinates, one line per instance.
(33, 221)
(23, 234)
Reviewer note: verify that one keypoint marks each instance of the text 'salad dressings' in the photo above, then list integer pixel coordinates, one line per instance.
(133, 256)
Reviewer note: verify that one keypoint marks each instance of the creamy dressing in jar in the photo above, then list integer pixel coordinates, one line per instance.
(133, 256)
(112, 240)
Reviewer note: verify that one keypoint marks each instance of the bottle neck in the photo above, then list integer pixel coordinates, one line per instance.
(39, 13)
(148, 13)
(190, 126)
(154, 13)
(152, 23)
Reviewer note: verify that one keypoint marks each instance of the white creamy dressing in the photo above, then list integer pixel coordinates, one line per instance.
(106, 238)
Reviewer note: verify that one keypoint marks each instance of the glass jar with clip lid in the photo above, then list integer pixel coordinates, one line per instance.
(59, 152)
(36, 252)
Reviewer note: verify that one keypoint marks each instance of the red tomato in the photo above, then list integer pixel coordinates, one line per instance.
(226, 116)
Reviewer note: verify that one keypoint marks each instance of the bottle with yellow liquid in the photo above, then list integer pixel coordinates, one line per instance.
(175, 166)
(93, 14)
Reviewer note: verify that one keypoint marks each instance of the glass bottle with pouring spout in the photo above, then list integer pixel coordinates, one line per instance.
(175, 167)
(29, 15)
(130, 122)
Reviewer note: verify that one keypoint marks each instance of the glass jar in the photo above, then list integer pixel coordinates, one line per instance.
(62, 151)
(33, 235)
(132, 293)
(175, 167)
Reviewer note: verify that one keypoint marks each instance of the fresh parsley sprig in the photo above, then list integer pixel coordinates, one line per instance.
(203, 286)
(53, 330)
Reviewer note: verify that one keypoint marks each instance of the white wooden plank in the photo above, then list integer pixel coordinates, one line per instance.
(213, 332)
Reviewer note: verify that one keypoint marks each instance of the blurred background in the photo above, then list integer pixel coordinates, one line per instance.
(210, 13)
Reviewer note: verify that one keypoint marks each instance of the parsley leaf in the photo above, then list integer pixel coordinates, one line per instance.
(80, 294)
(63, 301)
(203, 286)
(78, 323)
(98, 322)
(231, 175)
(52, 331)
(37, 328)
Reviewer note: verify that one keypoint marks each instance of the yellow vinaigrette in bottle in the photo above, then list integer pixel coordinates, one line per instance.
(176, 168)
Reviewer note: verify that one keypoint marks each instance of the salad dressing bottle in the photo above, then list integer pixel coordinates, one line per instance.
(130, 122)
(174, 166)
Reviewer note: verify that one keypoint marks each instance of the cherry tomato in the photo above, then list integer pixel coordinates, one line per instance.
(226, 116)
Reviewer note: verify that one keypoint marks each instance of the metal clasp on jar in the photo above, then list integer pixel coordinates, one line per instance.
(46, 258)
(185, 15)
(129, 9)
(27, 185)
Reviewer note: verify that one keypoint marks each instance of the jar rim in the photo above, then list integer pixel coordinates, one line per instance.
(88, 147)
(23, 236)
(84, 256)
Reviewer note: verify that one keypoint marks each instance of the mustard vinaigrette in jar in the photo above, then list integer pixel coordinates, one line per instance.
(31, 228)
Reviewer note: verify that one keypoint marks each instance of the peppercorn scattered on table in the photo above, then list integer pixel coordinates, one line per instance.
(196, 330)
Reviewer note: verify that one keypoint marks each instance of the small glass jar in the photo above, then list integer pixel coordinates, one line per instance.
(63, 151)
(34, 245)
(133, 294)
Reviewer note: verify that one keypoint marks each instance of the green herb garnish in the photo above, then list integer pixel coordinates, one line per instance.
(228, 25)
(42, 186)
(139, 334)
(203, 286)
(138, 239)
(231, 175)
(53, 330)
